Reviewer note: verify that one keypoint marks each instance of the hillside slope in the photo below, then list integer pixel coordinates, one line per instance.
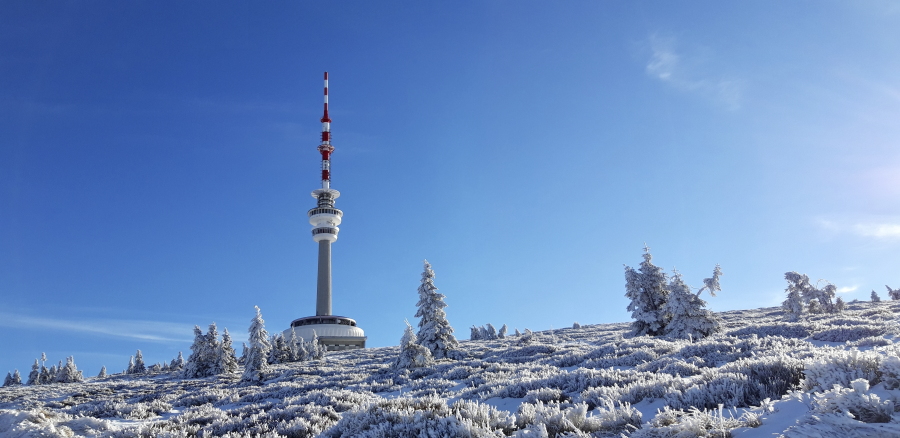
(823, 376)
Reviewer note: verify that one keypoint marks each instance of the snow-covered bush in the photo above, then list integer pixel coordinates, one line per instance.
(544, 395)
(840, 368)
(894, 294)
(846, 333)
(69, 373)
(435, 332)
(677, 423)
(875, 297)
(856, 400)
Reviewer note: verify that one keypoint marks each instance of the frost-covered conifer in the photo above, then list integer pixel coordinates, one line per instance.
(130, 369)
(16, 378)
(517, 333)
(45, 377)
(315, 348)
(102, 373)
(576, 325)
(502, 333)
(199, 363)
(34, 378)
(8, 380)
(177, 363)
(793, 305)
(139, 366)
(526, 338)
(690, 318)
(435, 332)
(227, 359)
(213, 350)
(412, 355)
(647, 290)
(712, 284)
(475, 335)
(875, 297)
(281, 351)
(893, 293)
(69, 373)
(243, 353)
(255, 362)
(839, 305)
(490, 332)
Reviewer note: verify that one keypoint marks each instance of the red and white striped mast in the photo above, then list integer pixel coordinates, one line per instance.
(326, 148)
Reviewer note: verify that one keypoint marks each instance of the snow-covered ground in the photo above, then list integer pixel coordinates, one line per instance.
(822, 376)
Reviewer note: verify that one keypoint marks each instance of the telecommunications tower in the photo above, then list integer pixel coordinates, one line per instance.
(334, 332)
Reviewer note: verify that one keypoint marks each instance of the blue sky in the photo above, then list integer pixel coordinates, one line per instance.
(156, 160)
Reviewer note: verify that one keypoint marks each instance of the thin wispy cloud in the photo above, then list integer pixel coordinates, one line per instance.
(685, 73)
(159, 331)
(847, 289)
(875, 229)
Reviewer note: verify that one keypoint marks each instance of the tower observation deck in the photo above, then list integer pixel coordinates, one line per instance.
(334, 332)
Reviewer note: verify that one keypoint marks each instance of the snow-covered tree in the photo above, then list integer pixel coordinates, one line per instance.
(690, 318)
(502, 333)
(793, 305)
(712, 284)
(475, 334)
(34, 378)
(435, 332)
(875, 297)
(9, 380)
(525, 338)
(243, 353)
(139, 366)
(490, 332)
(647, 289)
(839, 305)
(517, 333)
(69, 373)
(315, 348)
(130, 369)
(213, 350)
(227, 359)
(893, 293)
(412, 355)
(102, 373)
(16, 379)
(255, 362)
(203, 359)
(177, 363)
(576, 325)
(281, 351)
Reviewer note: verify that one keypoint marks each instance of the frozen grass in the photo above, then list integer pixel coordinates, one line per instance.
(566, 382)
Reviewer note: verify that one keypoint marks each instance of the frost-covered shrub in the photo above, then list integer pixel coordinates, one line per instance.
(890, 371)
(553, 421)
(544, 395)
(857, 400)
(787, 330)
(847, 333)
(730, 389)
(681, 368)
(677, 423)
(871, 341)
(422, 417)
(841, 368)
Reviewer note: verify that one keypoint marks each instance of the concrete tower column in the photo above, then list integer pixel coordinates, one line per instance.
(323, 286)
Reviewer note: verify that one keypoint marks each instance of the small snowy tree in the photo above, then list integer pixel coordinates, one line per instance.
(139, 366)
(839, 305)
(502, 333)
(412, 355)
(213, 350)
(227, 359)
(517, 333)
(69, 373)
(712, 284)
(315, 349)
(34, 378)
(690, 318)
(793, 305)
(16, 378)
(8, 380)
(255, 363)
(893, 293)
(875, 297)
(102, 373)
(177, 363)
(647, 289)
(576, 325)
(130, 369)
(490, 331)
(475, 335)
(280, 352)
(525, 338)
(203, 359)
(435, 332)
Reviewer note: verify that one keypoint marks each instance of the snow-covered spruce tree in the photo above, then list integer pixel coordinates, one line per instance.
(576, 325)
(793, 305)
(8, 380)
(475, 334)
(839, 305)
(412, 355)
(875, 297)
(647, 289)
(213, 350)
(227, 358)
(893, 293)
(69, 372)
(690, 318)
(490, 331)
(315, 348)
(34, 378)
(139, 366)
(177, 363)
(280, 352)
(203, 358)
(255, 362)
(102, 373)
(243, 353)
(16, 378)
(130, 369)
(435, 332)
(517, 333)
(502, 333)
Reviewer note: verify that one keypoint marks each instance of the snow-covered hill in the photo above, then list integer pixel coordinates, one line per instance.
(823, 376)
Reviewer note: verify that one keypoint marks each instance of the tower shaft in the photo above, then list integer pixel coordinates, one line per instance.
(323, 285)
